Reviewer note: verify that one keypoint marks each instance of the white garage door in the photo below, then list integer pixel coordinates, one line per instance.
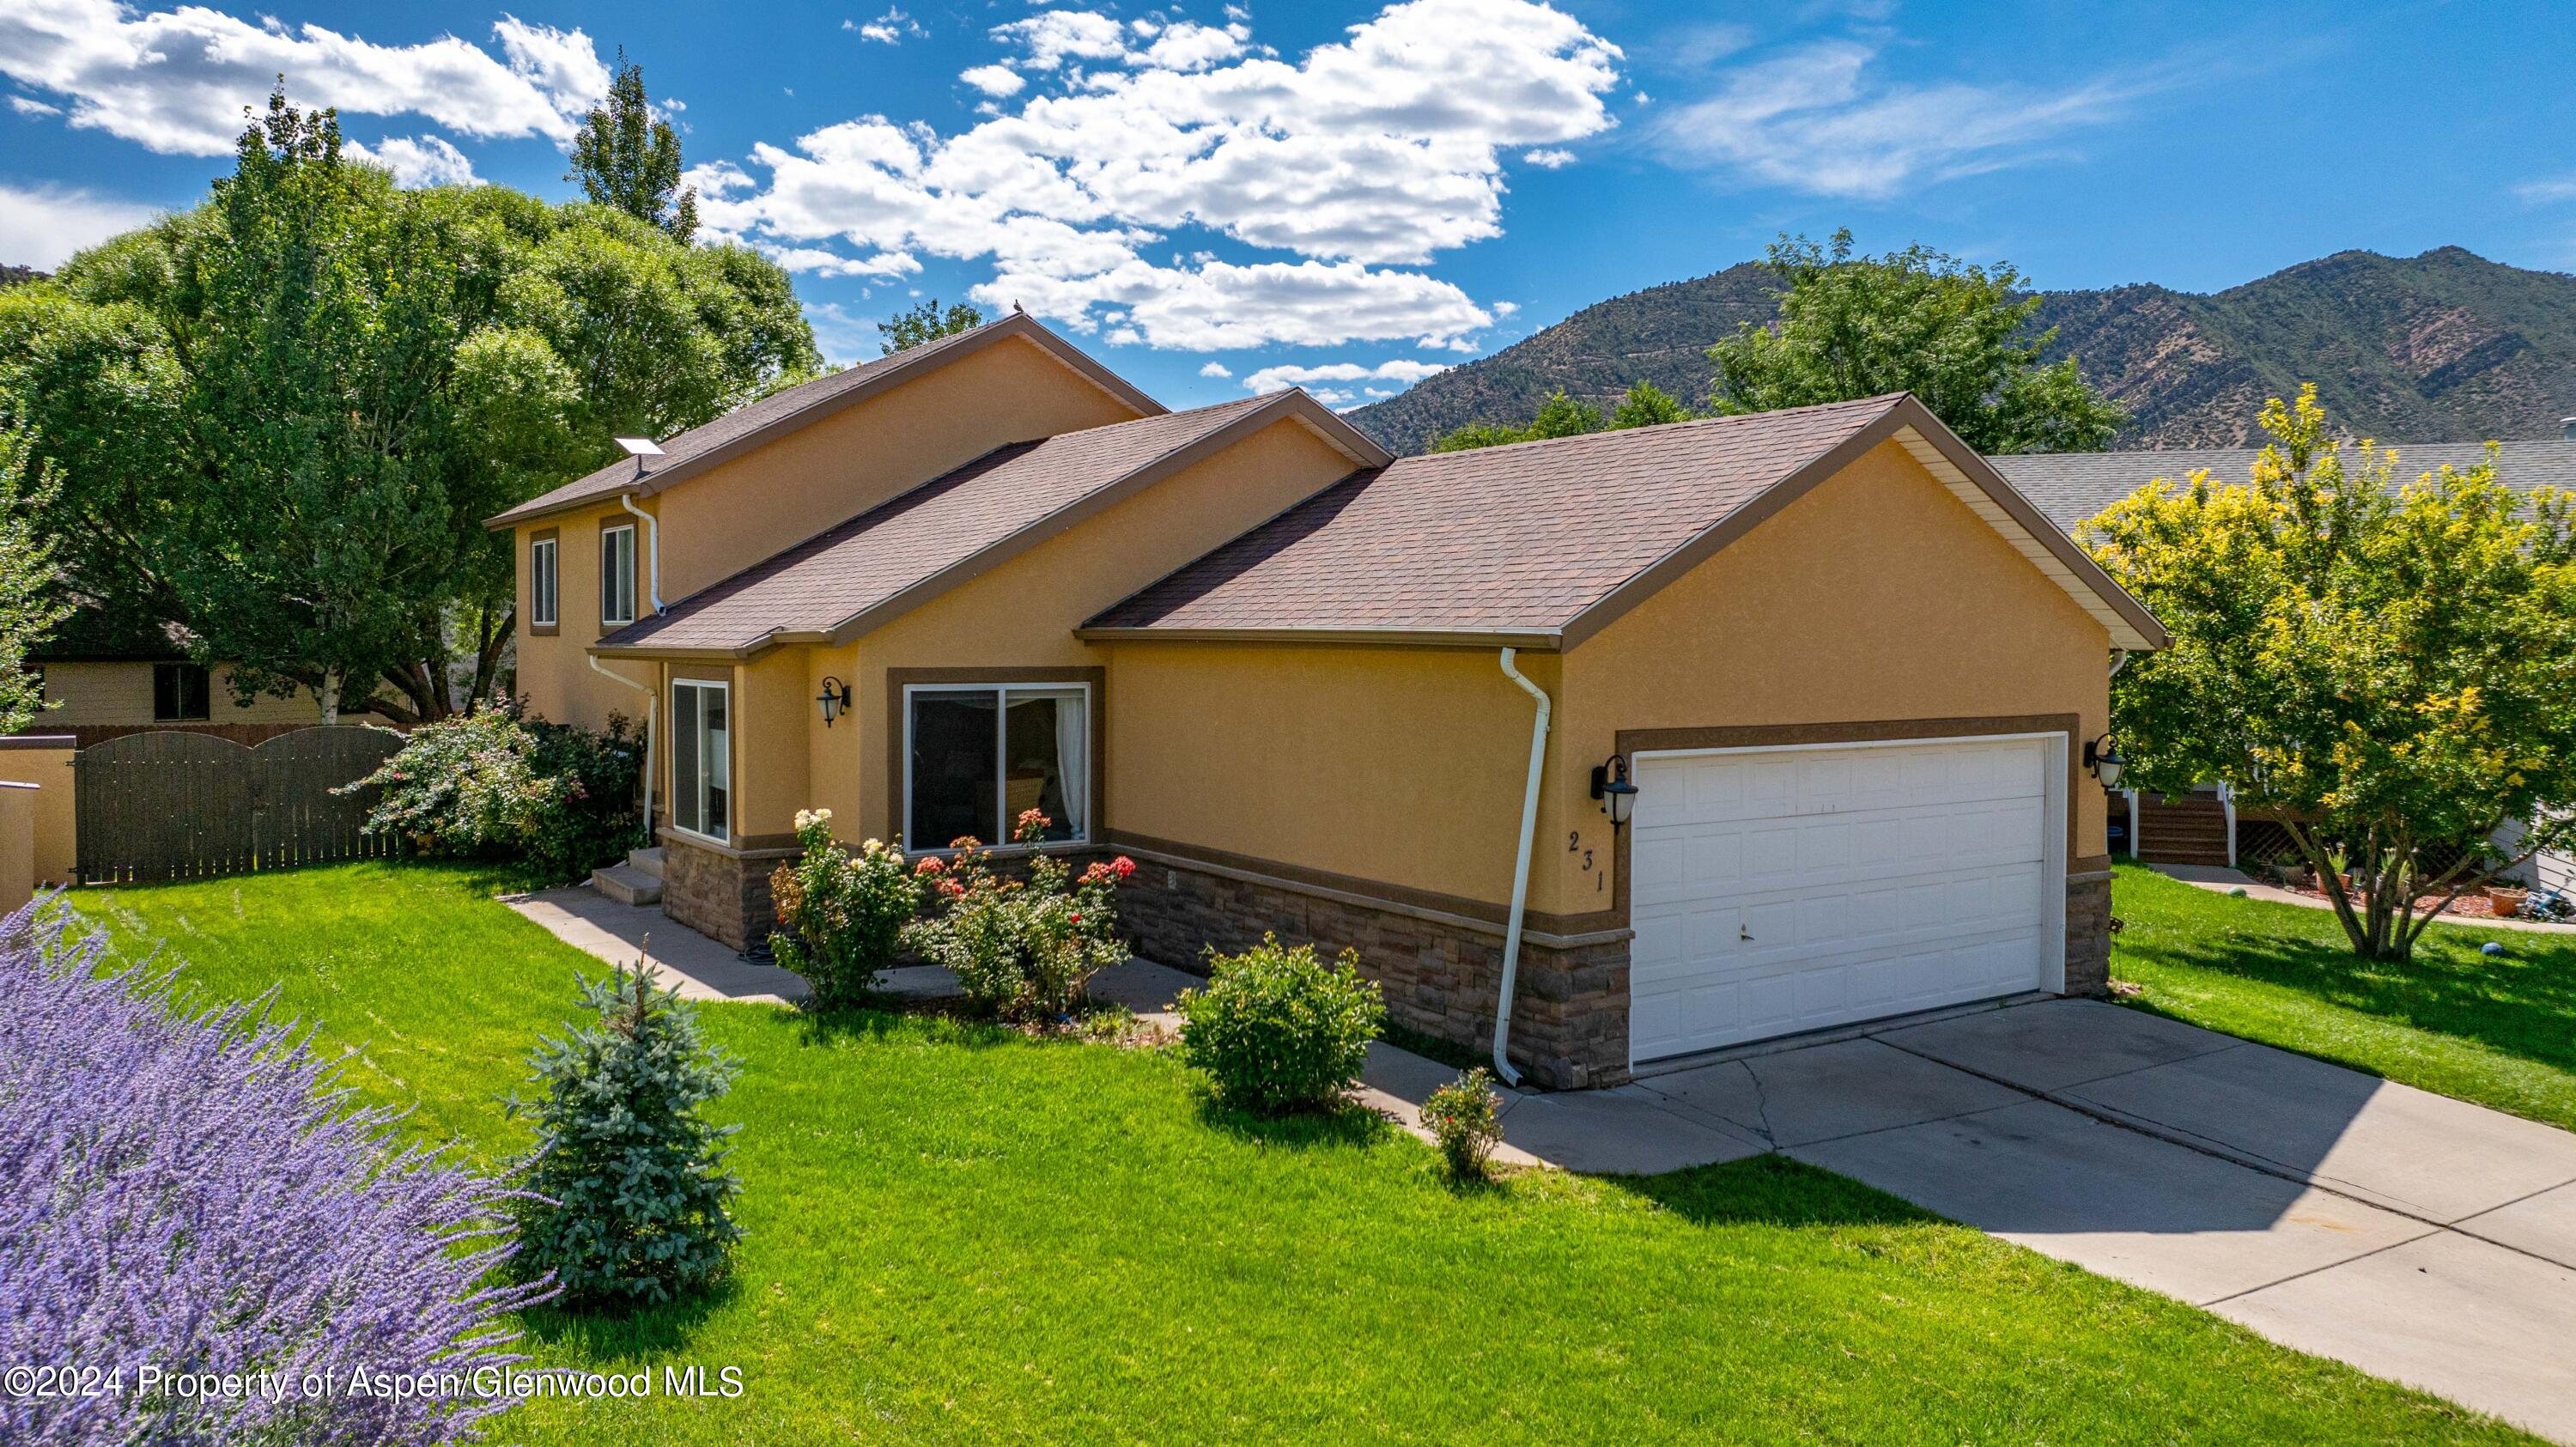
(1793, 889)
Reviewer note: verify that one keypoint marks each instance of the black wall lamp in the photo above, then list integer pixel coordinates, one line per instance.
(835, 699)
(1610, 785)
(2105, 764)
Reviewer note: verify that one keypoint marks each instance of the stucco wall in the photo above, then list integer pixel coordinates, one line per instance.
(44, 762)
(17, 844)
(1023, 613)
(1394, 766)
(89, 694)
(1878, 596)
(779, 494)
(722, 520)
(554, 669)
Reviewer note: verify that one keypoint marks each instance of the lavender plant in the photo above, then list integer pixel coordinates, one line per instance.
(193, 1192)
(629, 1198)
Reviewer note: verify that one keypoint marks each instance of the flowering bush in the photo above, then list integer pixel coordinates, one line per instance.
(195, 1192)
(1463, 1122)
(843, 913)
(1026, 948)
(1278, 1029)
(628, 1193)
(495, 784)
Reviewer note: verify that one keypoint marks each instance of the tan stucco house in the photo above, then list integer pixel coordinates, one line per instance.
(1375, 702)
(105, 678)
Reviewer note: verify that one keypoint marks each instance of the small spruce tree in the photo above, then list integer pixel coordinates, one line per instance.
(632, 1194)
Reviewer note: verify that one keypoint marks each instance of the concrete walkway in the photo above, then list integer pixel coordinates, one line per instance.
(2220, 879)
(2414, 1236)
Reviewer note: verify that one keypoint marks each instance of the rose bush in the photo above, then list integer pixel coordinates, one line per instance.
(841, 914)
(1025, 948)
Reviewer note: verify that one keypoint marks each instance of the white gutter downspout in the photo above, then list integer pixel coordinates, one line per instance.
(652, 695)
(652, 547)
(652, 699)
(1520, 872)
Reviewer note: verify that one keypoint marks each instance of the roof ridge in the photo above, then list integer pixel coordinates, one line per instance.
(1882, 400)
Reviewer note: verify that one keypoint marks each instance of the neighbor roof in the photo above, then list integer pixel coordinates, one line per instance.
(854, 577)
(1540, 544)
(2073, 486)
(736, 432)
(94, 633)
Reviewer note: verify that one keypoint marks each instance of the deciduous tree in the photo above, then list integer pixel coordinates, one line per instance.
(1956, 336)
(29, 608)
(2385, 667)
(926, 322)
(280, 419)
(627, 157)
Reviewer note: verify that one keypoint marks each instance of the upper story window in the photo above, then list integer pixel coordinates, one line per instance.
(544, 579)
(617, 574)
(977, 758)
(180, 693)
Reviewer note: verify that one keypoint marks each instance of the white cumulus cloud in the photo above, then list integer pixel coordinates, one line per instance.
(418, 160)
(1371, 153)
(42, 226)
(177, 80)
(994, 80)
(887, 29)
(1216, 369)
(1271, 379)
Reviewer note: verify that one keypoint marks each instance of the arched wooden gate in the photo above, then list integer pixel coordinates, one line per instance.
(177, 805)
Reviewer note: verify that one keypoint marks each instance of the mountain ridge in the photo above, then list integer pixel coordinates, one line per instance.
(2445, 346)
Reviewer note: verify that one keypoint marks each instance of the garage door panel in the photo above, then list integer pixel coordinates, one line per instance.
(1798, 889)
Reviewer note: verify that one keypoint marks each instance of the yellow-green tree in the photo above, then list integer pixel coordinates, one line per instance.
(2387, 666)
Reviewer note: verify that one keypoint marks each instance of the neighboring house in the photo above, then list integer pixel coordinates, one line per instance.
(2207, 827)
(104, 680)
(1850, 672)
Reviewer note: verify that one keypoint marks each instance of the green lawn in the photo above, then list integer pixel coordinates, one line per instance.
(2499, 1031)
(960, 1234)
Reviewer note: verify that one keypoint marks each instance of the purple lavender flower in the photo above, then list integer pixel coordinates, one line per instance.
(196, 1193)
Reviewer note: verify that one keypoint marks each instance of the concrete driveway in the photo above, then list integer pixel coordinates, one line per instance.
(2417, 1237)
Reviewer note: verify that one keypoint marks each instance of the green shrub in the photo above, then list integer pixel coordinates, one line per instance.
(631, 1194)
(1026, 948)
(495, 785)
(842, 914)
(1278, 1029)
(1462, 1120)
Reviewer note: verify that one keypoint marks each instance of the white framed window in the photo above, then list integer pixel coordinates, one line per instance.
(701, 758)
(543, 580)
(617, 574)
(977, 756)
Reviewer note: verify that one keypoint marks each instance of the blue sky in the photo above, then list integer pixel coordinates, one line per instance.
(1215, 197)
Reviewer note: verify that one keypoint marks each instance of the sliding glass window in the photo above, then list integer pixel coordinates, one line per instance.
(978, 758)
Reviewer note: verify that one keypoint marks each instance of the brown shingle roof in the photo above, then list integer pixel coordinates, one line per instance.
(1541, 543)
(858, 574)
(699, 448)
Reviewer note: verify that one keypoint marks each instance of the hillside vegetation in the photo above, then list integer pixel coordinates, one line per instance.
(2442, 347)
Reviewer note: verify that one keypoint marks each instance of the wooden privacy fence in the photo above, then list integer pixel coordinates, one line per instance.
(178, 805)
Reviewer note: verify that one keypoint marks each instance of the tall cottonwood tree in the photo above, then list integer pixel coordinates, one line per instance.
(625, 156)
(280, 419)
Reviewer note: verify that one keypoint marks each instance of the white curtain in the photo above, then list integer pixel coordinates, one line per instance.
(1073, 761)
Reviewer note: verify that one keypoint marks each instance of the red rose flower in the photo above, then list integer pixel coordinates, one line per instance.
(1123, 865)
